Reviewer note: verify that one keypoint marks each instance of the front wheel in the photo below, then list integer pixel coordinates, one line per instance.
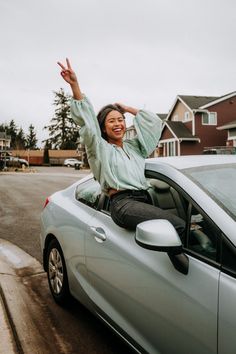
(57, 274)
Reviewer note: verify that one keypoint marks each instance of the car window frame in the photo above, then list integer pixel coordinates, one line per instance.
(225, 242)
(103, 204)
(83, 201)
(216, 264)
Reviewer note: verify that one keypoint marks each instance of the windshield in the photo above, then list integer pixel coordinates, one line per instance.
(219, 181)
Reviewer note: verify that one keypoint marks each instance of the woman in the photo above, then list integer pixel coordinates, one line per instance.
(119, 164)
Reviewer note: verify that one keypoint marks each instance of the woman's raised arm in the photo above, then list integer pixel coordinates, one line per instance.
(69, 76)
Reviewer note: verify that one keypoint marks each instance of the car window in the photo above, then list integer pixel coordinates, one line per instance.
(202, 234)
(166, 197)
(88, 193)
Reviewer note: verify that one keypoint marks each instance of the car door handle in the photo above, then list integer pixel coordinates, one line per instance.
(99, 233)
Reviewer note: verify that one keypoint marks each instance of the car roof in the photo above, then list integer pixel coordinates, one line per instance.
(190, 161)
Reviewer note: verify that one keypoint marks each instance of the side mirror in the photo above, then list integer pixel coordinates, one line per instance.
(160, 235)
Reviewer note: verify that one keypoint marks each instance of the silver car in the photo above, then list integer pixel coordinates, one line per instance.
(72, 162)
(160, 293)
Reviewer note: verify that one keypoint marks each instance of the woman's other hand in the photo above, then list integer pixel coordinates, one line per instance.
(67, 73)
(126, 109)
(121, 107)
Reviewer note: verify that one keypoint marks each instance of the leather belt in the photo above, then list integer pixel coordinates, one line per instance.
(132, 192)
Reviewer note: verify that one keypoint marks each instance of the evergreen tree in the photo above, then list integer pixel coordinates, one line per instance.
(2, 127)
(31, 140)
(11, 130)
(63, 132)
(46, 159)
(20, 140)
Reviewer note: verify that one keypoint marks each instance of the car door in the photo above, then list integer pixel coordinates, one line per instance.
(141, 293)
(81, 208)
(227, 296)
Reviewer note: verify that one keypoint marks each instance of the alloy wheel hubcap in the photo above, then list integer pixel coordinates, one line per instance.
(55, 271)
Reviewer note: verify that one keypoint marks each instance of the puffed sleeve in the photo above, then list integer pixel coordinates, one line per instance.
(83, 114)
(148, 127)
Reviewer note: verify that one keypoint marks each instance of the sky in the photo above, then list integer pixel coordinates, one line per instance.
(142, 53)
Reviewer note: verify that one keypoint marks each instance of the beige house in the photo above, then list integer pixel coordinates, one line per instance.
(5, 141)
(130, 132)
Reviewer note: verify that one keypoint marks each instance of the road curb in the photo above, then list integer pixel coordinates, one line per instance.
(24, 322)
(7, 337)
(12, 261)
(9, 341)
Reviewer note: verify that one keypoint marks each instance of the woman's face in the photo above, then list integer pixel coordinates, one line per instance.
(115, 127)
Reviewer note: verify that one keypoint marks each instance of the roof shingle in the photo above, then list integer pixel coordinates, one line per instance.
(180, 130)
(195, 102)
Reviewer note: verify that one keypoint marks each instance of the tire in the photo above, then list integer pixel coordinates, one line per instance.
(68, 165)
(57, 274)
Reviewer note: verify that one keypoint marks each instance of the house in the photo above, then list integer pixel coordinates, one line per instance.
(5, 141)
(231, 133)
(193, 122)
(130, 132)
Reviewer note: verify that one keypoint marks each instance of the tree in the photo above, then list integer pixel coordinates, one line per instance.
(2, 127)
(20, 140)
(63, 132)
(11, 130)
(31, 140)
(46, 159)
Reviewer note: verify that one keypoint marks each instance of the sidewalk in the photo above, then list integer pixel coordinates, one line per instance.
(15, 320)
(24, 326)
(7, 340)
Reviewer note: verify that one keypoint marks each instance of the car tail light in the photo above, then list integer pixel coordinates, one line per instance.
(46, 202)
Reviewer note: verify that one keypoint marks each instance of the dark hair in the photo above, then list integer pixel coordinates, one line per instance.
(102, 114)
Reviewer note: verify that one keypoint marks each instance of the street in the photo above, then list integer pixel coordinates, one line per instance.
(22, 199)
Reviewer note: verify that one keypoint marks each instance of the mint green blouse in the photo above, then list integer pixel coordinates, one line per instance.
(113, 166)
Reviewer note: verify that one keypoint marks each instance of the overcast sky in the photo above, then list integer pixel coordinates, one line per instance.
(139, 52)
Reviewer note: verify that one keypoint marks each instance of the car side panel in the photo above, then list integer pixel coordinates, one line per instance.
(69, 219)
(140, 290)
(227, 314)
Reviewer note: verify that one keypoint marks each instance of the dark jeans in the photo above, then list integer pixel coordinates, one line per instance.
(129, 208)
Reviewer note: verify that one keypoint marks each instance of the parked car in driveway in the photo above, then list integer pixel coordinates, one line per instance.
(12, 161)
(160, 293)
(72, 162)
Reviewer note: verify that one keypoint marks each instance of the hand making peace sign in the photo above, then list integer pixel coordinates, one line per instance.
(67, 73)
(69, 76)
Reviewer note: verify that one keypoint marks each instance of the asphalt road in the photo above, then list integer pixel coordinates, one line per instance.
(22, 199)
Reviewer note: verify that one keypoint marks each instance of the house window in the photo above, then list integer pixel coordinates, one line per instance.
(175, 118)
(186, 116)
(171, 148)
(232, 133)
(209, 118)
